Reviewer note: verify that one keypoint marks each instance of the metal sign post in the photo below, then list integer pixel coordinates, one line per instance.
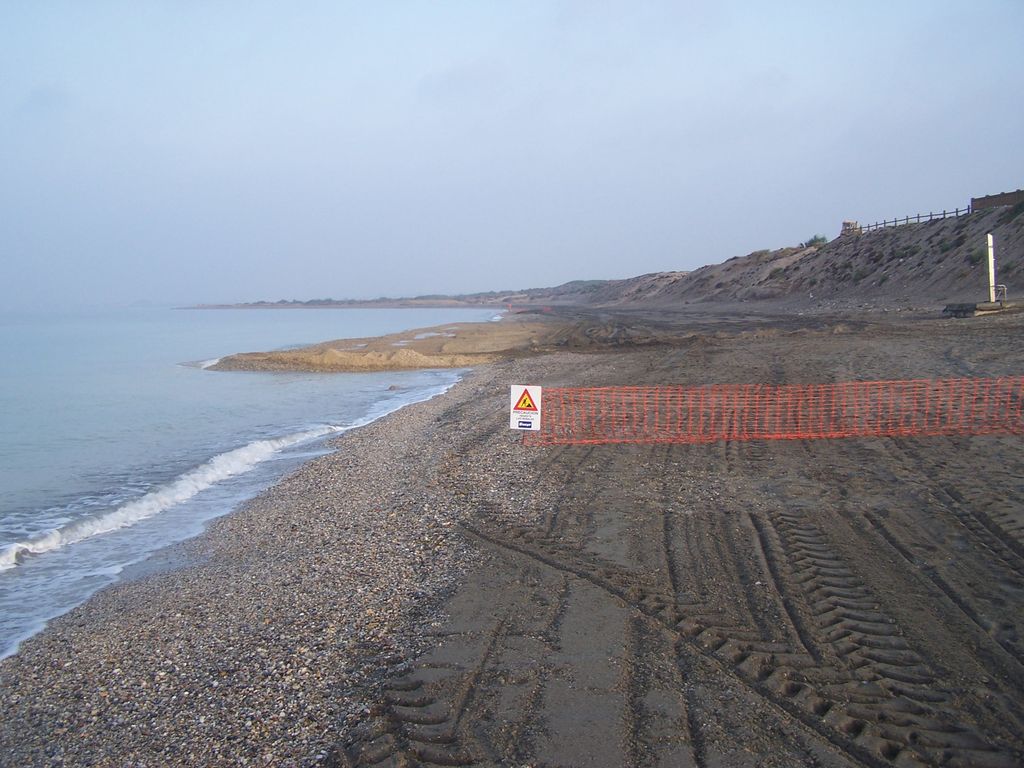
(991, 270)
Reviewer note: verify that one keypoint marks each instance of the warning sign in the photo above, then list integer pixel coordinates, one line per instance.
(525, 402)
(524, 407)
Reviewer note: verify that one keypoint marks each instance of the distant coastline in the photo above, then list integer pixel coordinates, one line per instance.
(425, 303)
(575, 292)
(915, 265)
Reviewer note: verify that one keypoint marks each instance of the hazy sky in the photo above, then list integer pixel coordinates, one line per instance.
(185, 151)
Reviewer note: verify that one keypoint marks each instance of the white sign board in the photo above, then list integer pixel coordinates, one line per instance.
(524, 407)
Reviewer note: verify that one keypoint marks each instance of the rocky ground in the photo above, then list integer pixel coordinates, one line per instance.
(436, 593)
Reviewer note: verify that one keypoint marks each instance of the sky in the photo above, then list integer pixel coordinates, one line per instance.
(213, 151)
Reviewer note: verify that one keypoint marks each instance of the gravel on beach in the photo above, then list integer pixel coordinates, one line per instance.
(267, 635)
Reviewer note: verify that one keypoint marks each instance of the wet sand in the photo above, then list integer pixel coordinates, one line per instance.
(435, 593)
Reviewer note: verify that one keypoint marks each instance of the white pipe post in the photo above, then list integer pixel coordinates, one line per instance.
(991, 270)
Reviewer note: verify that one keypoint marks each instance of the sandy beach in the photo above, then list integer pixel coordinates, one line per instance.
(512, 385)
(435, 593)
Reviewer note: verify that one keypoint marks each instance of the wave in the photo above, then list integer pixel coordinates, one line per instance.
(204, 364)
(182, 488)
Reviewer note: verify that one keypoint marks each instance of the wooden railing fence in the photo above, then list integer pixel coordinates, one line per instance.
(916, 219)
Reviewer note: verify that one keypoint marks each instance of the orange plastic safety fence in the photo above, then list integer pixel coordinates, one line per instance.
(704, 414)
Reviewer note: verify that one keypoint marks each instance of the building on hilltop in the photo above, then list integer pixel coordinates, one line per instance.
(992, 201)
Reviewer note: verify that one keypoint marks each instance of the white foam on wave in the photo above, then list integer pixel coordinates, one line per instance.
(204, 364)
(183, 488)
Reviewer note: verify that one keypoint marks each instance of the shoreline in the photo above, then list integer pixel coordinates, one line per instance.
(229, 475)
(433, 591)
(170, 555)
(215, 620)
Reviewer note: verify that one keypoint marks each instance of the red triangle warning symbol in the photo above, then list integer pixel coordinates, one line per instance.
(525, 402)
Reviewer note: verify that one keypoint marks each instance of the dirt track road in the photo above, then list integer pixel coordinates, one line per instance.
(831, 603)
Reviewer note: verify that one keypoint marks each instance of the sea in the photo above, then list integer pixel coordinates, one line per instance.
(117, 441)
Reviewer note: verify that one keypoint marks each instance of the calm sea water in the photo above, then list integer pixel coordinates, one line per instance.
(115, 441)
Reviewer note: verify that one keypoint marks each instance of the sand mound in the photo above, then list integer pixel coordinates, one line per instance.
(451, 346)
(345, 360)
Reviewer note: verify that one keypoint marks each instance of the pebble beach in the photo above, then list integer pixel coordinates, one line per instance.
(260, 641)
